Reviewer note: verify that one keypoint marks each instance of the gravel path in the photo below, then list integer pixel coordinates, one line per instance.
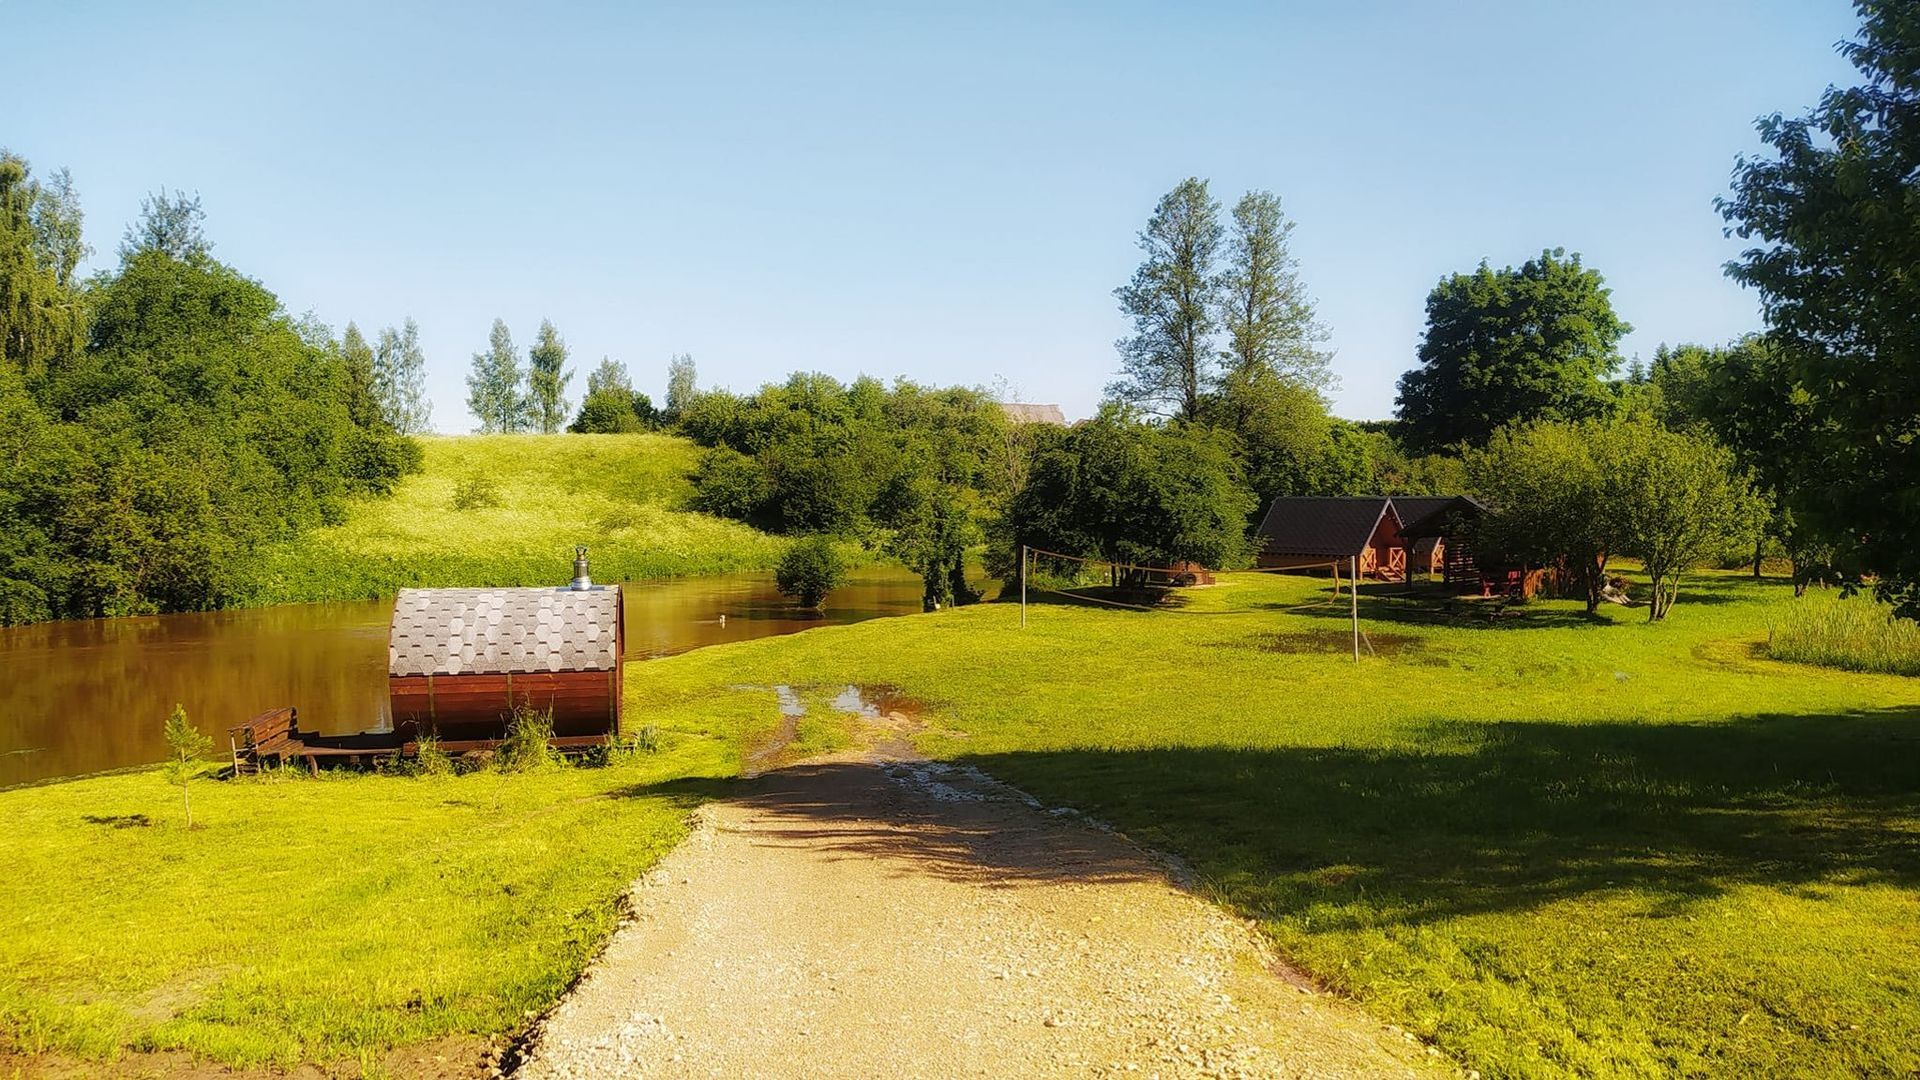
(868, 917)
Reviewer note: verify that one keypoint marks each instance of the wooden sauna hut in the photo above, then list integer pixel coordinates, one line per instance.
(460, 661)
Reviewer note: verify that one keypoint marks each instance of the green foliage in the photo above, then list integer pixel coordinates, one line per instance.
(1854, 634)
(1552, 492)
(195, 423)
(1167, 363)
(400, 380)
(683, 386)
(1131, 492)
(811, 569)
(815, 455)
(187, 748)
(1508, 347)
(1574, 495)
(527, 746)
(1265, 310)
(730, 484)
(430, 760)
(1834, 219)
(933, 531)
(547, 379)
(611, 406)
(42, 317)
(476, 491)
(496, 391)
(1683, 503)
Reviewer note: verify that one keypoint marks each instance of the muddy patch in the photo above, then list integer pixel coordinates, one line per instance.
(880, 722)
(1375, 643)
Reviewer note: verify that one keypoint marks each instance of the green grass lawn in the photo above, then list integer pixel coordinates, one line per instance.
(324, 920)
(626, 496)
(1553, 847)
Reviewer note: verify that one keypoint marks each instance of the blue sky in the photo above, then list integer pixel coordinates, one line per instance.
(947, 193)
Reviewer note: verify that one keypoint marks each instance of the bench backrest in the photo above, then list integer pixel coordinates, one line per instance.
(270, 731)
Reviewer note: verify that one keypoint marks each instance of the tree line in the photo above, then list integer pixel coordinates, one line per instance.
(162, 419)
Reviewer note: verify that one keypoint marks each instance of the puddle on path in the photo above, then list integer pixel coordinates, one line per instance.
(884, 722)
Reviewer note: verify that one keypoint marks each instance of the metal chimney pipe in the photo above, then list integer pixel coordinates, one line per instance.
(581, 581)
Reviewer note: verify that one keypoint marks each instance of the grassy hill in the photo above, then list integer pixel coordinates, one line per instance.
(527, 500)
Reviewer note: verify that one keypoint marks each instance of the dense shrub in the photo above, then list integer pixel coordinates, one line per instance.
(730, 484)
(810, 570)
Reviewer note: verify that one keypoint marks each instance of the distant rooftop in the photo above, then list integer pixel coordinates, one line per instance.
(1021, 412)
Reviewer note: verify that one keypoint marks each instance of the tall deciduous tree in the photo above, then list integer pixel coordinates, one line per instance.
(400, 380)
(1510, 347)
(171, 223)
(683, 385)
(495, 392)
(1167, 364)
(1264, 307)
(1682, 501)
(1834, 215)
(547, 379)
(40, 312)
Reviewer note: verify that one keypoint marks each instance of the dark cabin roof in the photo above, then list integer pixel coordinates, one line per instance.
(1333, 527)
(503, 631)
(1429, 516)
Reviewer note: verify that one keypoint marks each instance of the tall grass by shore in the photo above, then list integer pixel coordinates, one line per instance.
(507, 510)
(1856, 634)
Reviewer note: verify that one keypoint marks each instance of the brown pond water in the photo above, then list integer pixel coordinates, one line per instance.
(87, 695)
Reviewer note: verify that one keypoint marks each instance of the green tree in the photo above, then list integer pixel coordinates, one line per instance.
(1834, 218)
(1167, 363)
(1510, 347)
(683, 386)
(495, 386)
(400, 380)
(1281, 428)
(933, 530)
(170, 223)
(357, 358)
(547, 379)
(611, 404)
(730, 484)
(41, 315)
(1268, 316)
(1682, 501)
(1555, 498)
(1131, 492)
(186, 748)
(810, 570)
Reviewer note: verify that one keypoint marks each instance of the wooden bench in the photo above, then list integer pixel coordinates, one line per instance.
(272, 734)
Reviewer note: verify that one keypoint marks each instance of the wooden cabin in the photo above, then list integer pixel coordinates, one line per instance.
(1309, 533)
(459, 661)
(1426, 551)
(1448, 525)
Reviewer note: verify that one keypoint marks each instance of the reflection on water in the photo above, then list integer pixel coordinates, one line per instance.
(85, 695)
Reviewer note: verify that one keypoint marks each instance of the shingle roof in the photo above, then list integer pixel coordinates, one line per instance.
(1425, 516)
(502, 631)
(1023, 413)
(1321, 526)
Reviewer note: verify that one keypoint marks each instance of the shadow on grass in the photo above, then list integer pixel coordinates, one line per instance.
(1511, 816)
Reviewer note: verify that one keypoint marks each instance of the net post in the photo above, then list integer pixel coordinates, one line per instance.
(1353, 591)
(1023, 586)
